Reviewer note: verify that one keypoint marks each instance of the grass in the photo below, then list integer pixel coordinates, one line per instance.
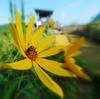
(91, 56)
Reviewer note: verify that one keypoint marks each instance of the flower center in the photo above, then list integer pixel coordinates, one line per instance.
(31, 53)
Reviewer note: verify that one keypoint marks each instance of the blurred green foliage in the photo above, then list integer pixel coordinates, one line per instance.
(93, 31)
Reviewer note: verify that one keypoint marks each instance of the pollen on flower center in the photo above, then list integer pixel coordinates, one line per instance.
(31, 53)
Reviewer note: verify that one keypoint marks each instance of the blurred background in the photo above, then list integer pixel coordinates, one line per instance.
(71, 18)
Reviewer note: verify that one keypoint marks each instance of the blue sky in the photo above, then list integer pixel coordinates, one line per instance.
(65, 11)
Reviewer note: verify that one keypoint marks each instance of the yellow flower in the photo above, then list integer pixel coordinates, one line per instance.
(35, 53)
(52, 24)
(70, 64)
(62, 40)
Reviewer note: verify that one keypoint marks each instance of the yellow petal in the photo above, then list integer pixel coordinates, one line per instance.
(76, 53)
(47, 81)
(46, 43)
(72, 60)
(75, 47)
(29, 29)
(25, 64)
(76, 69)
(37, 35)
(51, 51)
(69, 62)
(16, 39)
(20, 30)
(14, 34)
(62, 40)
(53, 67)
